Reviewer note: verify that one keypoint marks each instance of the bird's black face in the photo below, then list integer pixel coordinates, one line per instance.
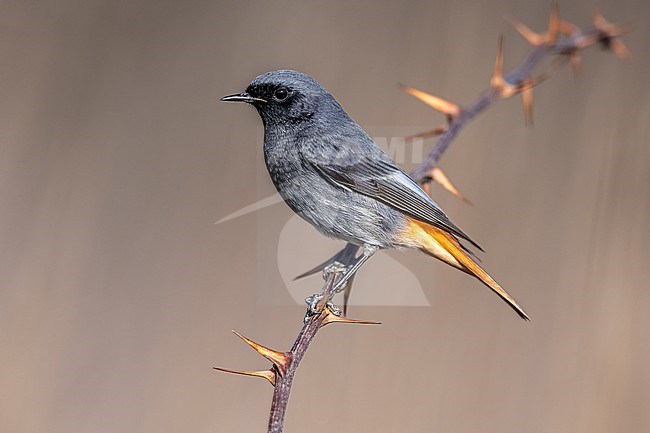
(270, 93)
(284, 103)
(283, 97)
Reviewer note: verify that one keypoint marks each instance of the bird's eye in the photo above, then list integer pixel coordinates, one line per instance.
(281, 94)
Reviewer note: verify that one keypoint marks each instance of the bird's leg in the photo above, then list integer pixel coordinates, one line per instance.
(338, 268)
(313, 300)
(368, 251)
(312, 304)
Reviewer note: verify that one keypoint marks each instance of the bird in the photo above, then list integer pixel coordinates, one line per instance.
(330, 172)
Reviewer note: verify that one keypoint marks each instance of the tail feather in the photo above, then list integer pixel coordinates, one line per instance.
(438, 239)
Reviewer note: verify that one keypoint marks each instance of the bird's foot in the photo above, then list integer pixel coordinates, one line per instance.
(338, 270)
(313, 309)
(334, 268)
(312, 304)
(334, 309)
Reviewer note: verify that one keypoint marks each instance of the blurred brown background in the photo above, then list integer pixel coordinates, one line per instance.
(118, 293)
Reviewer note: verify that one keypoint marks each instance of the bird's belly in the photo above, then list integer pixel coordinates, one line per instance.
(340, 213)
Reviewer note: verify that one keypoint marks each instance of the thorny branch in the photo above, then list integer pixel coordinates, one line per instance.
(284, 365)
(562, 39)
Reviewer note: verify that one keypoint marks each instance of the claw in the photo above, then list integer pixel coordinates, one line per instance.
(333, 309)
(313, 302)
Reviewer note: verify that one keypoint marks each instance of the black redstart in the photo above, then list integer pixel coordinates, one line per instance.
(331, 173)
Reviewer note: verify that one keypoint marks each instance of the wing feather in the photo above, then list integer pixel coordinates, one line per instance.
(387, 183)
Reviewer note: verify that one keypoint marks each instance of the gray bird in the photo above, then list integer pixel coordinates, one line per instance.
(331, 173)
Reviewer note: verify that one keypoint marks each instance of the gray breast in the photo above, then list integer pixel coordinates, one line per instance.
(336, 212)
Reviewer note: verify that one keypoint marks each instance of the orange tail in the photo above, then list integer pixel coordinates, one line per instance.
(445, 247)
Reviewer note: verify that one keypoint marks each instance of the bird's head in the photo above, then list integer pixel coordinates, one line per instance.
(286, 98)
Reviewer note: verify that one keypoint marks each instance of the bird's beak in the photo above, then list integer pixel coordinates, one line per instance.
(242, 97)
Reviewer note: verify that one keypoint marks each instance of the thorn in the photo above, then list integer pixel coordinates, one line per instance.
(619, 49)
(534, 82)
(599, 20)
(497, 80)
(279, 359)
(426, 186)
(498, 83)
(533, 38)
(439, 176)
(611, 29)
(608, 34)
(576, 64)
(537, 39)
(568, 29)
(527, 96)
(526, 90)
(553, 25)
(572, 31)
(428, 133)
(266, 374)
(333, 318)
(449, 109)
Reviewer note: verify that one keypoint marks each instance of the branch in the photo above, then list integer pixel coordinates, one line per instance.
(517, 81)
(285, 364)
(300, 346)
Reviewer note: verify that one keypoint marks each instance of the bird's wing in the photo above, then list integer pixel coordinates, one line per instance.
(387, 183)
